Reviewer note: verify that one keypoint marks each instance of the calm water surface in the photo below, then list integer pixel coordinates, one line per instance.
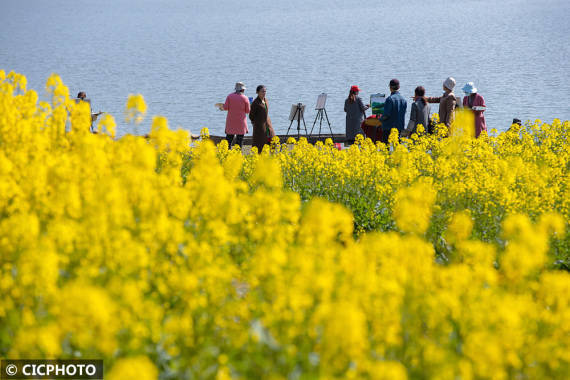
(186, 55)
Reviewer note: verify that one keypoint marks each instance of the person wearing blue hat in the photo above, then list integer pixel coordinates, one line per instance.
(476, 103)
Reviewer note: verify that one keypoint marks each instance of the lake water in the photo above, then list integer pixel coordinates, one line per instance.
(186, 55)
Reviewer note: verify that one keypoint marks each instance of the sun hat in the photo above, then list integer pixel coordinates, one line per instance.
(240, 86)
(449, 83)
(469, 88)
(395, 83)
(354, 89)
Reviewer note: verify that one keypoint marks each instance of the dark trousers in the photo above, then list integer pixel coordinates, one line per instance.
(385, 135)
(239, 140)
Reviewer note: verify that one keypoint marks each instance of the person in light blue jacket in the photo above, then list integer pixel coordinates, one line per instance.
(394, 111)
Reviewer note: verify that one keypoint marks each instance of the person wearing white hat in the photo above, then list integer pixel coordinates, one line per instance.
(237, 105)
(449, 84)
(476, 103)
(447, 102)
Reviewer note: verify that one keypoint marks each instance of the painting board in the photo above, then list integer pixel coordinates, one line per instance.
(292, 115)
(321, 101)
(377, 103)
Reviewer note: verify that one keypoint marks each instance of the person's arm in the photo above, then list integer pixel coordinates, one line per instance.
(247, 106)
(362, 108)
(413, 118)
(346, 105)
(414, 113)
(94, 116)
(270, 127)
(436, 99)
(227, 104)
(481, 103)
(387, 109)
(252, 112)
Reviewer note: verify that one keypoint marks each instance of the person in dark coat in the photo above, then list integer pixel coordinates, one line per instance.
(259, 115)
(394, 111)
(355, 114)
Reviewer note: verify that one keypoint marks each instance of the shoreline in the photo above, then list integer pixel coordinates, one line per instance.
(248, 139)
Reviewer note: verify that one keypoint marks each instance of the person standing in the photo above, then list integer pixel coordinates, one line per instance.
(237, 105)
(394, 111)
(82, 97)
(259, 115)
(447, 102)
(420, 111)
(476, 103)
(355, 114)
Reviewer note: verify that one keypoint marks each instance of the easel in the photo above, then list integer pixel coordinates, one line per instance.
(321, 115)
(297, 113)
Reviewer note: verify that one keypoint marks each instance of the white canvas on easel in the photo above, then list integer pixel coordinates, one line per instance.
(321, 115)
(321, 101)
(294, 115)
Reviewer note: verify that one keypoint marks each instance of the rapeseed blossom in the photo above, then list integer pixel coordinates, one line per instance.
(136, 109)
(435, 257)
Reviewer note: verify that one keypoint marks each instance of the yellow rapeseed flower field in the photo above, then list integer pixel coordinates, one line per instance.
(434, 257)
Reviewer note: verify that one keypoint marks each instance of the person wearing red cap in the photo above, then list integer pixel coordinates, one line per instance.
(355, 114)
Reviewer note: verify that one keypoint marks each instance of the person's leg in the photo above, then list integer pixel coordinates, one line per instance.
(229, 138)
(239, 140)
(385, 134)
